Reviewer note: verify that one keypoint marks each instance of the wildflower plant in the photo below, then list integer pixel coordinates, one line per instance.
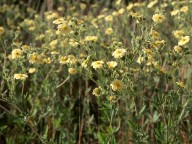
(95, 72)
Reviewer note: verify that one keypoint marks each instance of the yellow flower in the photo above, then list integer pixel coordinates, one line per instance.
(32, 70)
(121, 11)
(25, 47)
(31, 28)
(71, 59)
(16, 53)
(20, 76)
(72, 71)
(152, 3)
(109, 31)
(61, 9)
(112, 64)
(9, 57)
(63, 59)
(148, 51)
(111, 98)
(177, 49)
(184, 40)
(63, 27)
(53, 44)
(184, 9)
(84, 63)
(34, 58)
(155, 34)
(140, 59)
(109, 18)
(40, 37)
(150, 59)
(138, 4)
(58, 21)
(174, 12)
(119, 53)
(117, 85)
(91, 38)
(47, 60)
(178, 33)
(130, 6)
(136, 15)
(115, 13)
(158, 18)
(73, 43)
(100, 16)
(158, 43)
(181, 84)
(83, 6)
(97, 91)
(1, 30)
(97, 64)
(118, 2)
(55, 52)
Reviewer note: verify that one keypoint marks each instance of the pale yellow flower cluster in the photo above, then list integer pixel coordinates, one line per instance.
(91, 38)
(183, 9)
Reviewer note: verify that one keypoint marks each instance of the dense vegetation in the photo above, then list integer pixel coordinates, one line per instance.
(91, 72)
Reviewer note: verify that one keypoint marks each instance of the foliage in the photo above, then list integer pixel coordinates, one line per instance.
(96, 73)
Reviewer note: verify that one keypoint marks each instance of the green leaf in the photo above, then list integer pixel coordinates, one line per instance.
(159, 135)
(100, 138)
(2, 128)
(119, 125)
(131, 125)
(141, 111)
(46, 132)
